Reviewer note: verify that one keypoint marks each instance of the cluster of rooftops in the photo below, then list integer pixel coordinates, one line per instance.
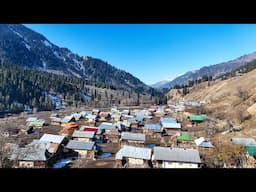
(128, 128)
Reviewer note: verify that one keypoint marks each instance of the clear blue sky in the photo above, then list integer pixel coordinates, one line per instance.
(154, 52)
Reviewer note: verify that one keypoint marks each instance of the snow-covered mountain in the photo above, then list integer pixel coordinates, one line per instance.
(24, 47)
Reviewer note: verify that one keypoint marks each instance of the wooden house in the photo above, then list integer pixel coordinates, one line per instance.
(171, 128)
(152, 130)
(186, 140)
(197, 118)
(134, 157)
(166, 157)
(35, 122)
(83, 135)
(55, 121)
(107, 126)
(104, 116)
(31, 156)
(112, 136)
(135, 139)
(66, 120)
(83, 149)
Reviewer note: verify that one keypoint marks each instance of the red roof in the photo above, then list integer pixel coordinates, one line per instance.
(93, 129)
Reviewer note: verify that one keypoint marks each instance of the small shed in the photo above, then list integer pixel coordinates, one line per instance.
(243, 141)
(134, 157)
(251, 149)
(197, 118)
(112, 135)
(152, 129)
(107, 126)
(83, 135)
(136, 139)
(84, 149)
(171, 128)
(203, 142)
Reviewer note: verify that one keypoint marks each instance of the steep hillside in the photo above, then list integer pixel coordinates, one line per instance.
(231, 102)
(24, 47)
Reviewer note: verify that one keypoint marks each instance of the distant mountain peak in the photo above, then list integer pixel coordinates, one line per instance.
(211, 70)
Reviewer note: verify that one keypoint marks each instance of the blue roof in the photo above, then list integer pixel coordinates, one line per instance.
(132, 120)
(152, 126)
(107, 126)
(139, 118)
(62, 163)
(105, 155)
(167, 120)
(206, 144)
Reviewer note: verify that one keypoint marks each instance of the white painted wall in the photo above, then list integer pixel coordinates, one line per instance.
(167, 164)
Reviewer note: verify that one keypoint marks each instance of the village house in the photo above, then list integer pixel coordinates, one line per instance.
(66, 120)
(82, 148)
(133, 157)
(112, 136)
(98, 132)
(83, 135)
(203, 142)
(186, 140)
(107, 126)
(95, 112)
(35, 122)
(165, 157)
(53, 149)
(171, 128)
(91, 118)
(135, 139)
(167, 120)
(77, 116)
(243, 141)
(53, 138)
(197, 118)
(31, 156)
(104, 116)
(55, 121)
(153, 130)
(107, 150)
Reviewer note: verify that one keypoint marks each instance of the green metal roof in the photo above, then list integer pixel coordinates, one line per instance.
(197, 117)
(251, 149)
(186, 137)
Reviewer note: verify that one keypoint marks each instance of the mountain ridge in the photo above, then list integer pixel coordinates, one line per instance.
(25, 47)
(214, 70)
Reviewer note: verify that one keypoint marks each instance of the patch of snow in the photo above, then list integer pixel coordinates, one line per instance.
(57, 55)
(44, 64)
(47, 43)
(21, 36)
(75, 61)
(27, 46)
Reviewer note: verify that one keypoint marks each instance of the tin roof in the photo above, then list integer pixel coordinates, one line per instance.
(167, 120)
(133, 136)
(134, 152)
(176, 155)
(67, 119)
(171, 125)
(85, 134)
(31, 119)
(243, 141)
(52, 138)
(152, 126)
(80, 145)
(197, 117)
(107, 126)
(34, 152)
